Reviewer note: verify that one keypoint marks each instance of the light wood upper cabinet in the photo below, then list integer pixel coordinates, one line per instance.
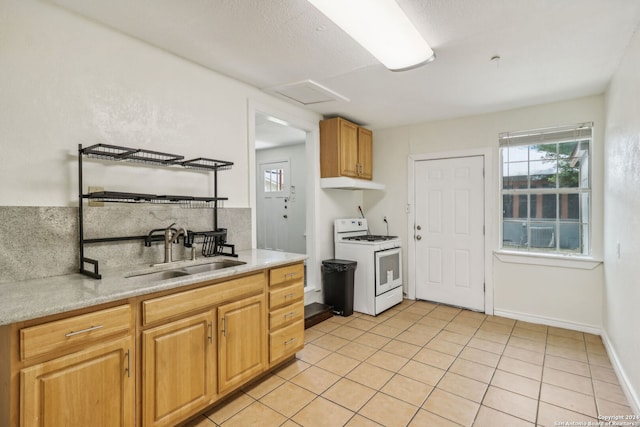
(93, 387)
(346, 149)
(242, 348)
(179, 375)
(365, 153)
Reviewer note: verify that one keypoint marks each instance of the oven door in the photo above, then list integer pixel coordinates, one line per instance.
(388, 270)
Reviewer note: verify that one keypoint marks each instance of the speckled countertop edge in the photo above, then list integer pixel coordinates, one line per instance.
(31, 299)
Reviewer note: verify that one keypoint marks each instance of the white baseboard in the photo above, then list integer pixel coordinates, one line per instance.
(632, 395)
(549, 321)
(623, 379)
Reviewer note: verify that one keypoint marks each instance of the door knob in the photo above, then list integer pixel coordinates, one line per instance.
(284, 216)
(418, 228)
(418, 237)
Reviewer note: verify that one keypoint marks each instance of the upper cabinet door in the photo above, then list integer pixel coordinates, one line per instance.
(348, 149)
(345, 149)
(365, 153)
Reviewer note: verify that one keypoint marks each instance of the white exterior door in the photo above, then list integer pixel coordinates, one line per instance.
(449, 231)
(272, 207)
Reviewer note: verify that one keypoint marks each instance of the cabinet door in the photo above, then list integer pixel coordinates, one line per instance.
(365, 153)
(348, 149)
(94, 387)
(242, 351)
(179, 369)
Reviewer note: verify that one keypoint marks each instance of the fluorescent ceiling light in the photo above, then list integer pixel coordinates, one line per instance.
(382, 28)
(277, 120)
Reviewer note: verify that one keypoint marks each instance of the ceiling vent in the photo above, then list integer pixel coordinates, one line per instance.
(307, 92)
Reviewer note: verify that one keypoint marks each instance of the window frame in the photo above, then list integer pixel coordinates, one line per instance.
(559, 135)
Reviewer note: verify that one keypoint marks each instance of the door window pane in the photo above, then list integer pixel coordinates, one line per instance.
(273, 180)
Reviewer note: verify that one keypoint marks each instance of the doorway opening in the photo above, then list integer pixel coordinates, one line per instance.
(282, 185)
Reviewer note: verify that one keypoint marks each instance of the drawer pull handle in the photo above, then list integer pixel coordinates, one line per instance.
(291, 295)
(83, 331)
(290, 275)
(290, 341)
(289, 315)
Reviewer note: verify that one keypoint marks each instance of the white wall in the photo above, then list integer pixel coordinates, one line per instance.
(66, 80)
(622, 221)
(331, 204)
(566, 296)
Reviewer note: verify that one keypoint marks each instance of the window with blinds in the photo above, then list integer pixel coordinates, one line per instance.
(546, 189)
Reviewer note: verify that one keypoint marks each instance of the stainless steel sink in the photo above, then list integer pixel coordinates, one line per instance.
(212, 266)
(186, 271)
(160, 275)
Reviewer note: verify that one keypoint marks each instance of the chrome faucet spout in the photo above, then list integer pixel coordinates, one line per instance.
(187, 243)
(169, 236)
(181, 232)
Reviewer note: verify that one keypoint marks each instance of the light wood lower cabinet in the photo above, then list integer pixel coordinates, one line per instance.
(190, 348)
(179, 369)
(93, 387)
(242, 348)
(286, 312)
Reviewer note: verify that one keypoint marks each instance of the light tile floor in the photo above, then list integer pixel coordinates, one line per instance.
(423, 364)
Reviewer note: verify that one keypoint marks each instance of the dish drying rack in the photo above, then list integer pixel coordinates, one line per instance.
(213, 242)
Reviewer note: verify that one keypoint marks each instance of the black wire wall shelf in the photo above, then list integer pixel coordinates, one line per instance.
(213, 242)
(156, 158)
(122, 197)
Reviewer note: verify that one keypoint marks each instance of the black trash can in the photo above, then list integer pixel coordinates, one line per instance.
(337, 281)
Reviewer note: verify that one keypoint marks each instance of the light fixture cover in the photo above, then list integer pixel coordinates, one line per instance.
(382, 28)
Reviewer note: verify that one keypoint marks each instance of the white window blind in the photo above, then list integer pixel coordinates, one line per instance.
(545, 179)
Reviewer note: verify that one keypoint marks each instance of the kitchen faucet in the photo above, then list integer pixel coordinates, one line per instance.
(171, 236)
(185, 236)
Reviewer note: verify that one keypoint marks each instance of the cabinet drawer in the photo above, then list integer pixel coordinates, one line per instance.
(280, 297)
(61, 334)
(286, 341)
(286, 315)
(290, 273)
(197, 299)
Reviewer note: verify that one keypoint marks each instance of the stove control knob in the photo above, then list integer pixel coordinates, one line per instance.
(418, 237)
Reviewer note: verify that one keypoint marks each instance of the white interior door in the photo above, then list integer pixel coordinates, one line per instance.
(449, 231)
(272, 215)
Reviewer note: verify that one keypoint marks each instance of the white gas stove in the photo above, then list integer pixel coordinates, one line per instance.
(378, 275)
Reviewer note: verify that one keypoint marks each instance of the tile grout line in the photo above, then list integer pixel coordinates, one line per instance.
(494, 373)
(420, 347)
(544, 358)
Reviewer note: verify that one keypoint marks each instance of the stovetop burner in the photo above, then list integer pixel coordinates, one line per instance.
(371, 238)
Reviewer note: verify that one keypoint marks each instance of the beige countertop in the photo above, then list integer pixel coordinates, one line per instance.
(31, 299)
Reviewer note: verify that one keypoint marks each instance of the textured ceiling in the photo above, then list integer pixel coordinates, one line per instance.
(550, 50)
